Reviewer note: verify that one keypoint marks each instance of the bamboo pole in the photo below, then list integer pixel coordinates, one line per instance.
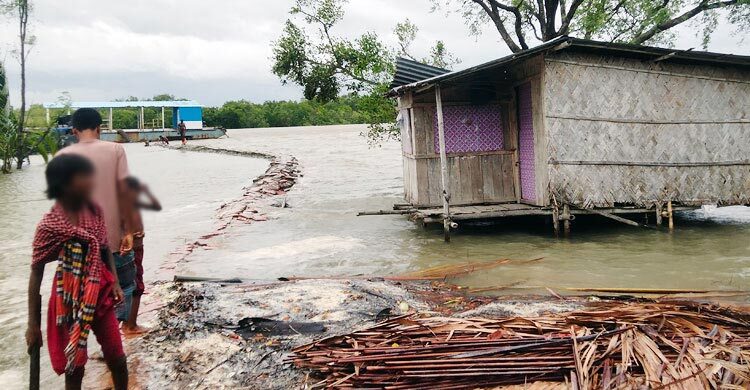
(566, 220)
(658, 214)
(556, 219)
(669, 215)
(34, 352)
(443, 164)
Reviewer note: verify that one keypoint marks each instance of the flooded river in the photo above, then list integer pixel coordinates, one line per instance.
(320, 235)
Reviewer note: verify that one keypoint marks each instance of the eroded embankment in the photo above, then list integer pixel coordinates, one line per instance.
(237, 336)
(266, 190)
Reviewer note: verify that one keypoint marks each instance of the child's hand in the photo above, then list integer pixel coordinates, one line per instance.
(126, 244)
(33, 337)
(117, 294)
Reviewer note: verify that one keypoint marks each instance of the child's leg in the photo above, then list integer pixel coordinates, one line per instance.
(107, 331)
(74, 380)
(119, 370)
(132, 323)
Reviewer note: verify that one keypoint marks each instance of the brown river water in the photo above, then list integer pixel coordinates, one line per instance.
(320, 234)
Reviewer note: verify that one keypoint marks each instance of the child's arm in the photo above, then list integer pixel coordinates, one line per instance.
(153, 203)
(110, 262)
(34, 330)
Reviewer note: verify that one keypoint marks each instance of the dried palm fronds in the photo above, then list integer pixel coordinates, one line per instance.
(459, 269)
(613, 345)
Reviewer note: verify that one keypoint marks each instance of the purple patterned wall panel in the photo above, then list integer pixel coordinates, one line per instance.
(471, 129)
(526, 143)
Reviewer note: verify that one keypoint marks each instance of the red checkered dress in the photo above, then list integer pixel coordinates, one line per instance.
(78, 275)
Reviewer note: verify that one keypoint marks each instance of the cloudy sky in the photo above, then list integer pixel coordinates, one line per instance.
(214, 51)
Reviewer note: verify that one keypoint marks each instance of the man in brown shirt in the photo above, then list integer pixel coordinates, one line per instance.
(111, 170)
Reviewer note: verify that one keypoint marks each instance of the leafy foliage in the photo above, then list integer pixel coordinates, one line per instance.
(344, 110)
(630, 21)
(311, 55)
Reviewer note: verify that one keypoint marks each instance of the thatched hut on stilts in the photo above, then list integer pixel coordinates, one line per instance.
(575, 127)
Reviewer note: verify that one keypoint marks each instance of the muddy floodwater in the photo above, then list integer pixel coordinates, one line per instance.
(319, 234)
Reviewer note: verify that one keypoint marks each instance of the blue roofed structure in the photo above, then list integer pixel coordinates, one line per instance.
(189, 111)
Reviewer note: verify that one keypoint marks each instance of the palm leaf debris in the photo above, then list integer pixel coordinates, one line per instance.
(611, 345)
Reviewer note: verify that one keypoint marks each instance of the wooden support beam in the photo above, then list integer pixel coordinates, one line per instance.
(387, 212)
(658, 214)
(670, 217)
(443, 164)
(163, 125)
(617, 218)
(556, 220)
(566, 220)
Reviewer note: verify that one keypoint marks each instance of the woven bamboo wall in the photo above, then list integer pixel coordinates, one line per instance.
(633, 132)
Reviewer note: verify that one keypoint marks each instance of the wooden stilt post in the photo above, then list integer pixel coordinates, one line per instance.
(47, 115)
(658, 214)
(566, 220)
(143, 119)
(443, 164)
(670, 217)
(163, 126)
(556, 220)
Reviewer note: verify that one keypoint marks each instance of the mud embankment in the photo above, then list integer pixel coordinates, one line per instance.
(266, 190)
(214, 336)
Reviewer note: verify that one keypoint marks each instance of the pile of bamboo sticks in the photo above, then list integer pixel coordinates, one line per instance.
(612, 345)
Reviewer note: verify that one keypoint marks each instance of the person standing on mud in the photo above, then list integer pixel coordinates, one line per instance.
(111, 170)
(110, 191)
(85, 288)
(183, 131)
(135, 190)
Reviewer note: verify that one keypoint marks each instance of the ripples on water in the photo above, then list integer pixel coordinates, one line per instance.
(320, 235)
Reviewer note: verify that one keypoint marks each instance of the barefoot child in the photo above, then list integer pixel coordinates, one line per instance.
(135, 190)
(85, 288)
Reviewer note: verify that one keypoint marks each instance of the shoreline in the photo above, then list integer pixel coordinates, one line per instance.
(201, 339)
(267, 190)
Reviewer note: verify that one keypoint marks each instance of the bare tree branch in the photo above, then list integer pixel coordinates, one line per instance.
(498, 21)
(518, 24)
(565, 24)
(703, 6)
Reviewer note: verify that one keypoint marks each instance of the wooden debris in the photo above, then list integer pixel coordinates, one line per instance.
(613, 345)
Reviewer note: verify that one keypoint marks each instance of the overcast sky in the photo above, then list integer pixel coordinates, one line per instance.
(214, 51)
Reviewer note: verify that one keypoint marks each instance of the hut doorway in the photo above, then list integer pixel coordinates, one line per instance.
(526, 168)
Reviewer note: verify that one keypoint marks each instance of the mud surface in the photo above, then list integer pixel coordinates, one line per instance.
(197, 342)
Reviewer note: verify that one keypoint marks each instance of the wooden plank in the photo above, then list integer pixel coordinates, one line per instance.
(422, 182)
(490, 189)
(506, 180)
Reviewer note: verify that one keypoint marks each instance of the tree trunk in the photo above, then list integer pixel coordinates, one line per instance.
(23, 20)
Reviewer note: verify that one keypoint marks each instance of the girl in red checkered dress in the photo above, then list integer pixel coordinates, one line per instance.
(84, 289)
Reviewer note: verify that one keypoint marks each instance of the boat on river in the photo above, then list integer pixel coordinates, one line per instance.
(188, 111)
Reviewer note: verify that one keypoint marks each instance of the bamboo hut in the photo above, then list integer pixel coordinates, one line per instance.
(576, 127)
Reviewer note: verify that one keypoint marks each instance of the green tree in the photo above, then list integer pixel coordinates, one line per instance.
(327, 65)
(8, 131)
(630, 21)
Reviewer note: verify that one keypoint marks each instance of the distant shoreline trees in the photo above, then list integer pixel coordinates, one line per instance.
(238, 114)
(242, 114)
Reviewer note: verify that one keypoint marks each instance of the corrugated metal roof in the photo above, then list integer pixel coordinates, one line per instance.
(409, 71)
(144, 103)
(565, 43)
